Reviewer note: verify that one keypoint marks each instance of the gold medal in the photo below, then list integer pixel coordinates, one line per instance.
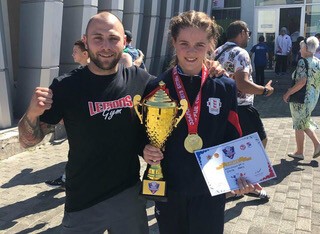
(193, 142)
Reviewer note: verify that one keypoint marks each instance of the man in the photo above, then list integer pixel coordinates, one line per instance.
(136, 55)
(260, 52)
(236, 61)
(95, 103)
(283, 49)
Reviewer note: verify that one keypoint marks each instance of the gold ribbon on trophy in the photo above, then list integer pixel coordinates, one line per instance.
(159, 114)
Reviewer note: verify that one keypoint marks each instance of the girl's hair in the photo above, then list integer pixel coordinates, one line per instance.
(312, 43)
(194, 19)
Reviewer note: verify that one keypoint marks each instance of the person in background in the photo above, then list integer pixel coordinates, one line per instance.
(260, 52)
(136, 55)
(270, 44)
(283, 47)
(301, 112)
(190, 207)
(236, 60)
(80, 55)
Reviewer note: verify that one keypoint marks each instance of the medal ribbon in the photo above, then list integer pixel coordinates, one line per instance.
(193, 112)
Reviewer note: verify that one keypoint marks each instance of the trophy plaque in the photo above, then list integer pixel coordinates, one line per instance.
(159, 114)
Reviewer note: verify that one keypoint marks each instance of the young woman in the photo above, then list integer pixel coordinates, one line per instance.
(190, 207)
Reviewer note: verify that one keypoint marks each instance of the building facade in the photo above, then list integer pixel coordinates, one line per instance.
(37, 36)
(266, 17)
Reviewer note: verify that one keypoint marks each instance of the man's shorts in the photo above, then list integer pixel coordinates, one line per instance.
(250, 121)
(123, 213)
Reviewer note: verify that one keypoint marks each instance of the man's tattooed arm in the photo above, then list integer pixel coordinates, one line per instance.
(32, 132)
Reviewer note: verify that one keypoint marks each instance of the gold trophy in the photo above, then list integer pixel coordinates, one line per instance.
(159, 114)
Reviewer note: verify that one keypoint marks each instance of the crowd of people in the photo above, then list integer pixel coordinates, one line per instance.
(95, 102)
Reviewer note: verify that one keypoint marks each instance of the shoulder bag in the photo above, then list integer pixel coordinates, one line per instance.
(299, 96)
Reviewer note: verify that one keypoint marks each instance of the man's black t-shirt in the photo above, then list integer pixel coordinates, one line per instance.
(103, 132)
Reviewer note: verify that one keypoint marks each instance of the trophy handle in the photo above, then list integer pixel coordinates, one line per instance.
(136, 103)
(183, 107)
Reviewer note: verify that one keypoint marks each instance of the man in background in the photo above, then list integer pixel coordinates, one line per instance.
(260, 52)
(283, 49)
(133, 52)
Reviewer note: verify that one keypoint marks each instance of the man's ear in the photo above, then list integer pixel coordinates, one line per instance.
(125, 41)
(85, 41)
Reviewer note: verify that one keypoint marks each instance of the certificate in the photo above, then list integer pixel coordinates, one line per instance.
(221, 165)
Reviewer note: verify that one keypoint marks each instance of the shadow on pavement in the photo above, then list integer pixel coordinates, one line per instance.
(237, 210)
(285, 168)
(26, 176)
(42, 202)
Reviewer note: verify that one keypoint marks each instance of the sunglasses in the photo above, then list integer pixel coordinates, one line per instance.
(249, 32)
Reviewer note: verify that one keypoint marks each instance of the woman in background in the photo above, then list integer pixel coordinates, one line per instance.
(301, 112)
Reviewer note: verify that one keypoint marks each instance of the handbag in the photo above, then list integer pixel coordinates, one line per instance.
(299, 96)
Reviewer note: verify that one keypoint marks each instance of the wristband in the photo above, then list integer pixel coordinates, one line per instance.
(265, 91)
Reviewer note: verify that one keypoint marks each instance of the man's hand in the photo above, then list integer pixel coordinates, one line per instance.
(269, 88)
(152, 155)
(41, 100)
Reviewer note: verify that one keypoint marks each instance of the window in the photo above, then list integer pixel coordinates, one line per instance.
(312, 20)
(225, 3)
(278, 2)
(226, 16)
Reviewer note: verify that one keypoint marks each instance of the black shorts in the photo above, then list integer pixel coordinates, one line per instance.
(250, 121)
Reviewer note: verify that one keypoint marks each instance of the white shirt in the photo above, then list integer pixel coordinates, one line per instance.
(283, 45)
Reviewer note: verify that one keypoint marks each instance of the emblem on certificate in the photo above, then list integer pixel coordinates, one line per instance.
(159, 114)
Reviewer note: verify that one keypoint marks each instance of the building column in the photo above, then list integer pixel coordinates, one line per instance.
(202, 6)
(113, 6)
(40, 30)
(6, 115)
(247, 15)
(161, 58)
(132, 18)
(150, 27)
(191, 5)
(179, 6)
(208, 5)
(76, 15)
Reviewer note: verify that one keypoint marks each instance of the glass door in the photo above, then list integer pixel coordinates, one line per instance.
(269, 21)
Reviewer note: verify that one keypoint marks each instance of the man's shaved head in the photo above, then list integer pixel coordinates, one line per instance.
(107, 17)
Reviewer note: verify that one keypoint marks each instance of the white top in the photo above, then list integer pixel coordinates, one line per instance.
(283, 45)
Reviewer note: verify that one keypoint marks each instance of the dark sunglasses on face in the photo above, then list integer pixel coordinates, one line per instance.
(249, 32)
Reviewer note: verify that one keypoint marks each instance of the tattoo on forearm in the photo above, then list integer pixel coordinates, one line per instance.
(31, 134)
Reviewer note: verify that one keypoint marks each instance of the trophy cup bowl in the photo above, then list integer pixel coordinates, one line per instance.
(159, 114)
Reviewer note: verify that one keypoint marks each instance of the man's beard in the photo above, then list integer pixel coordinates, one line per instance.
(101, 65)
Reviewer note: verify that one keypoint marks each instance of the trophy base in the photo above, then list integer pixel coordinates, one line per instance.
(154, 190)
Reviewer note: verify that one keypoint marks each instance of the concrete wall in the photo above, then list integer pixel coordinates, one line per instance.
(76, 14)
(6, 85)
(39, 47)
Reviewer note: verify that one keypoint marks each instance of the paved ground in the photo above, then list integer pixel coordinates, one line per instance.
(27, 205)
